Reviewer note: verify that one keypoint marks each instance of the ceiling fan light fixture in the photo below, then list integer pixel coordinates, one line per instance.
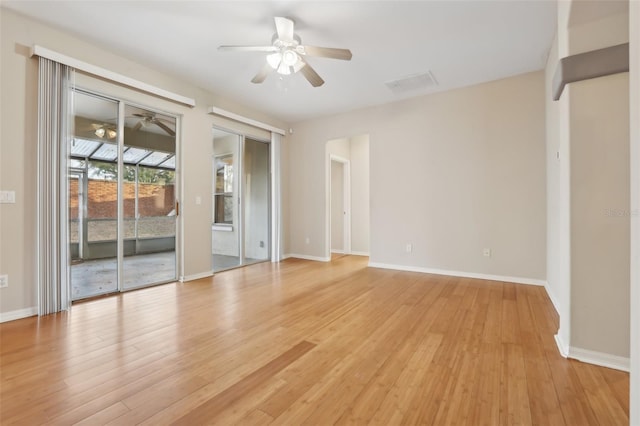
(284, 69)
(290, 58)
(100, 132)
(111, 133)
(274, 60)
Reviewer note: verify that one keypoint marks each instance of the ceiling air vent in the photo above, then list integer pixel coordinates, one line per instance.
(412, 82)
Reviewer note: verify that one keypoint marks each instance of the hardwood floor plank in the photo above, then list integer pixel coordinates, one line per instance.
(208, 410)
(303, 342)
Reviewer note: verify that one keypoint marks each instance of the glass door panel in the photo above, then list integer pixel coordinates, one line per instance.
(256, 201)
(225, 229)
(149, 198)
(93, 194)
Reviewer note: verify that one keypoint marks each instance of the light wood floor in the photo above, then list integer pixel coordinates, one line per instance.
(305, 343)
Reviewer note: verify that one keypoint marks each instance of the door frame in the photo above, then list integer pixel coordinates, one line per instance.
(346, 202)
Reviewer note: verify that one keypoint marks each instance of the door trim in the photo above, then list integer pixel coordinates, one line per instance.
(346, 191)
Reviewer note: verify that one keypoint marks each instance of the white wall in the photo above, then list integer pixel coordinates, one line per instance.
(18, 140)
(634, 82)
(450, 173)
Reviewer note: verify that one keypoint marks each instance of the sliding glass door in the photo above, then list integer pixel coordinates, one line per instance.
(256, 199)
(149, 198)
(121, 188)
(241, 201)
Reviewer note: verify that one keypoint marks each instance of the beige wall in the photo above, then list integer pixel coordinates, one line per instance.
(588, 194)
(558, 200)
(18, 153)
(450, 173)
(360, 229)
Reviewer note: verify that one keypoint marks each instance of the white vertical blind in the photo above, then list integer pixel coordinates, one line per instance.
(52, 206)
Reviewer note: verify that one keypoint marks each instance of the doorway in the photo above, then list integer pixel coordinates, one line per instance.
(122, 197)
(340, 205)
(241, 213)
(347, 196)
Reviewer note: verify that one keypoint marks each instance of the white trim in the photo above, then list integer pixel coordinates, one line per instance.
(222, 227)
(553, 298)
(193, 277)
(346, 203)
(43, 52)
(285, 257)
(237, 117)
(305, 257)
(275, 153)
(563, 347)
(599, 358)
(359, 253)
(634, 124)
(337, 251)
(18, 314)
(516, 280)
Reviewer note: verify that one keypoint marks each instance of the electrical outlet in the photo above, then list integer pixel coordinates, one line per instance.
(4, 281)
(486, 252)
(409, 248)
(307, 240)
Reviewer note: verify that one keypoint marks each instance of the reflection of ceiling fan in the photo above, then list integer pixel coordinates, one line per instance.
(149, 118)
(102, 130)
(287, 54)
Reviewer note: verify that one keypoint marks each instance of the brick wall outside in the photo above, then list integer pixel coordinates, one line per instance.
(153, 199)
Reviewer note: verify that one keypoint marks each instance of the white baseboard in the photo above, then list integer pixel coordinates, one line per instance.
(359, 253)
(516, 280)
(599, 358)
(18, 314)
(563, 348)
(337, 251)
(305, 257)
(193, 277)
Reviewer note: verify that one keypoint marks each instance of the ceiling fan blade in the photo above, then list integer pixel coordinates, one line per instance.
(163, 127)
(311, 75)
(249, 48)
(137, 126)
(284, 28)
(262, 74)
(325, 52)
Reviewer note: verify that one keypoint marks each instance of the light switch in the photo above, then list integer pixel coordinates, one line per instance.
(198, 200)
(7, 197)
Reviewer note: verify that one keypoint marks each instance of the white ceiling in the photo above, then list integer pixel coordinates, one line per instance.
(460, 42)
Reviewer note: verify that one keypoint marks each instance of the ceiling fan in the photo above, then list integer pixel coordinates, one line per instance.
(287, 54)
(101, 130)
(149, 118)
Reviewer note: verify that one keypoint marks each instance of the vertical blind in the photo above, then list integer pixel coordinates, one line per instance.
(52, 210)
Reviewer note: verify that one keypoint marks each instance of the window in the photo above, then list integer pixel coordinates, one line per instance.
(223, 190)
